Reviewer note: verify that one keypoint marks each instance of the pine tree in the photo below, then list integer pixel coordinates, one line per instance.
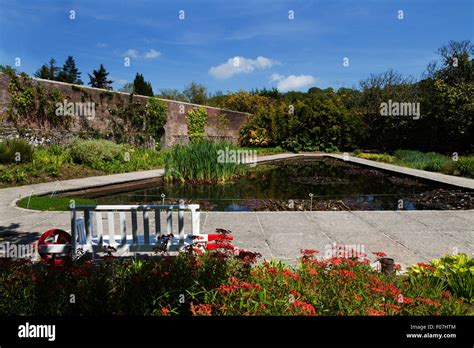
(48, 72)
(98, 78)
(69, 72)
(141, 87)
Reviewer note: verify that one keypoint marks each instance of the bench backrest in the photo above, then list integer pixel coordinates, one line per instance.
(82, 227)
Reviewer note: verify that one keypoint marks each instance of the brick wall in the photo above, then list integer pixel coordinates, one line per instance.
(105, 102)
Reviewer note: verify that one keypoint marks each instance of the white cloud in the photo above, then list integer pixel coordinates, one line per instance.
(152, 54)
(292, 82)
(131, 53)
(240, 65)
(101, 45)
(276, 77)
(121, 81)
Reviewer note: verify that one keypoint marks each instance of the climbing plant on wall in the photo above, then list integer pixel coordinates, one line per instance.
(156, 112)
(197, 118)
(136, 121)
(31, 101)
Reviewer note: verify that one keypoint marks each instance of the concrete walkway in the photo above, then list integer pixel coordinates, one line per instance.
(408, 236)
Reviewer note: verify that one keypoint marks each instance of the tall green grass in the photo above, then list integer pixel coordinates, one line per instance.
(198, 162)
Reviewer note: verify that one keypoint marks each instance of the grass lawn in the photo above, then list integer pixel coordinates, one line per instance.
(48, 203)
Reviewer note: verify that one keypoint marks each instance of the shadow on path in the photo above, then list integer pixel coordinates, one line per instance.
(10, 234)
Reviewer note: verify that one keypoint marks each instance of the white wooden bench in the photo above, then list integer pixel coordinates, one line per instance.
(133, 234)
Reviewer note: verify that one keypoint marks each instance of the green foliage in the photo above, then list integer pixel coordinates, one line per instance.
(456, 272)
(80, 158)
(15, 151)
(377, 157)
(465, 166)
(7, 69)
(69, 73)
(156, 113)
(172, 94)
(195, 93)
(32, 102)
(430, 161)
(91, 151)
(142, 87)
(199, 162)
(98, 78)
(48, 72)
(197, 119)
(136, 121)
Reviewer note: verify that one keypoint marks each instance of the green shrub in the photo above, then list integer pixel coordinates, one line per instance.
(465, 165)
(15, 151)
(54, 155)
(91, 151)
(197, 119)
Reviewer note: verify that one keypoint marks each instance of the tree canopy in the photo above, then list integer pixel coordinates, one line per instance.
(99, 79)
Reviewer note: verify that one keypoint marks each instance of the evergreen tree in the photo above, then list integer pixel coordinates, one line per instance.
(69, 72)
(98, 78)
(142, 87)
(48, 72)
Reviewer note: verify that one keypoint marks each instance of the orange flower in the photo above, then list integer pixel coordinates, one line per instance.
(165, 311)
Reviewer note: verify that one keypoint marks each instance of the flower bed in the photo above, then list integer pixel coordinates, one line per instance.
(219, 282)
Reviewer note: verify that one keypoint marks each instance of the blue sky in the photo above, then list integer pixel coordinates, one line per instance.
(232, 45)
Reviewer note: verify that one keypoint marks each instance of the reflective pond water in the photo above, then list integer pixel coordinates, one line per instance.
(306, 184)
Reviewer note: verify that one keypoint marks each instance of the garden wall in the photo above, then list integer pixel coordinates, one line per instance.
(223, 124)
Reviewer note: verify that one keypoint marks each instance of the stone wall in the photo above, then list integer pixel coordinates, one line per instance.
(106, 101)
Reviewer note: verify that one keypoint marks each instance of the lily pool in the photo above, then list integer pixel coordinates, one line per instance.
(319, 183)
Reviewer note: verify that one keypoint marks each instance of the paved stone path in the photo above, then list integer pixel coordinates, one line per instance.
(407, 236)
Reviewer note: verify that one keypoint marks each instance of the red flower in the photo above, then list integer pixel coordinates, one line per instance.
(404, 300)
(313, 272)
(291, 274)
(272, 270)
(201, 309)
(375, 312)
(346, 273)
(446, 294)
(428, 301)
(306, 308)
(379, 254)
(391, 306)
(165, 311)
(357, 298)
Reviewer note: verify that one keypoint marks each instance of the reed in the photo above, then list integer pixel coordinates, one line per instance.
(198, 162)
